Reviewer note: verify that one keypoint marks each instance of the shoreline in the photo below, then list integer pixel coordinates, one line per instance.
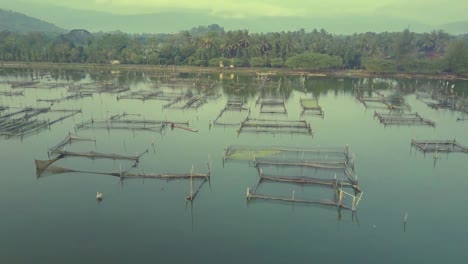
(238, 70)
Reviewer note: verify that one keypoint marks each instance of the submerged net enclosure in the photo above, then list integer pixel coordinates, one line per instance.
(97, 87)
(272, 106)
(445, 146)
(11, 93)
(74, 161)
(152, 95)
(304, 193)
(187, 102)
(313, 173)
(25, 120)
(301, 175)
(66, 98)
(403, 119)
(331, 156)
(253, 125)
(197, 180)
(121, 123)
(232, 114)
(311, 106)
(68, 140)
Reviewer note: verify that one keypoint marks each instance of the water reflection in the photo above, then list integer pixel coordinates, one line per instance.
(201, 101)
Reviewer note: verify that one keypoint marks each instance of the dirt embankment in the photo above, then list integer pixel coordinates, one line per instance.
(239, 70)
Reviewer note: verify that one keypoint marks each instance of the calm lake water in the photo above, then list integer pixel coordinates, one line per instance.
(56, 219)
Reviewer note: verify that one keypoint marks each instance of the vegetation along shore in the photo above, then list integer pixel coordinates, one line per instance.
(211, 47)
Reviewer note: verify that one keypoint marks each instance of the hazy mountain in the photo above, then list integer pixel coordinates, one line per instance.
(456, 27)
(17, 22)
(182, 19)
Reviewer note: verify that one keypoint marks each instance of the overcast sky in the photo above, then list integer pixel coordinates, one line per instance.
(426, 11)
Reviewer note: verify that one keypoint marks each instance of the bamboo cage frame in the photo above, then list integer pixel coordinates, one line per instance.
(68, 141)
(444, 146)
(97, 88)
(337, 201)
(341, 156)
(403, 119)
(192, 102)
(124, 175)
(231, 106)
(11, 93)
(116, 122)
(348, 179)
(78, 95)
(18, 127)
(275, 126)
(316, 110)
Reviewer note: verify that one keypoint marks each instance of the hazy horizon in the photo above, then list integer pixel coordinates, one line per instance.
(162, 16)
(423, 11)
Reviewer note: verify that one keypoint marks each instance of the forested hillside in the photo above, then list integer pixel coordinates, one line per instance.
(208, 45)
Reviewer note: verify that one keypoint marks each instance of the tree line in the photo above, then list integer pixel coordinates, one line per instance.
(404, 51)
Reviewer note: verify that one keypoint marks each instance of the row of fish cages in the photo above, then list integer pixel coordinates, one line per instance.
(130, 122)
(18, 122)
(70, 155)
(443, 97)
(401, 119)
(321, 176)
(376, 99)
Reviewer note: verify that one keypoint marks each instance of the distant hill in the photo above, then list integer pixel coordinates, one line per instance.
(171, 21)
(455, 27)
(20, 23)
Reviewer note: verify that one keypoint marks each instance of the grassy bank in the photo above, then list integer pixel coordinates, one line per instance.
(238, 70)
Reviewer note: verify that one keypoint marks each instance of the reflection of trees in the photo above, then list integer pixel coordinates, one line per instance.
(246, 86)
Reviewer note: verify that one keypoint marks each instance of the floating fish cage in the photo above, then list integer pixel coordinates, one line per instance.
(303, 192)
(273, 106)
(25, 120)
(232, 114)
(24, 84)
(151, 95)
(338, 157)
(385, 102)
(11, 93)
(322, 173)
(187, 102)
(301, 175)
(97, 88)
(68, 140)
(403, 119)
(78, 95)
(47, 167)
(252, 125)
(442, 146)
(311, 106)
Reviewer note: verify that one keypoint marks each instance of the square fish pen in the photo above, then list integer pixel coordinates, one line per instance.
(434, 146)
(237, 114)
(47, 167)
(403, 119)
(253, 125)
(385, 102)
(303, 193)
(29, 120)
(187, 102)
(311, 106)
(341, 157)
(313, 172)
(273, 106)
(121, 123)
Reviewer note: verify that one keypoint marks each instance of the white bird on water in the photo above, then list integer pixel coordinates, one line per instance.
(98, 196)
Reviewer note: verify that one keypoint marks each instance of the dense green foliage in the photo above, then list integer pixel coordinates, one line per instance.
(208, 46)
